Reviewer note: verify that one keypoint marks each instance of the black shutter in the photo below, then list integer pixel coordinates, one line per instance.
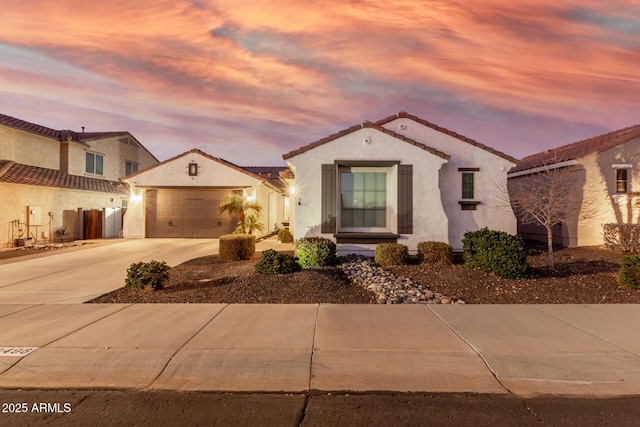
(405, 199)
(328, 209)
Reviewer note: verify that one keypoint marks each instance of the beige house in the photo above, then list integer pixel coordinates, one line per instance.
(181, 196)
(401, 179)
(607, 167)
(62, 185)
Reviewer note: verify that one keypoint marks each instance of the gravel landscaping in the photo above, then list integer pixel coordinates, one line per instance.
(582, 276)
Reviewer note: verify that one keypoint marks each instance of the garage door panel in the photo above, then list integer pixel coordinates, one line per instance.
(186, 213)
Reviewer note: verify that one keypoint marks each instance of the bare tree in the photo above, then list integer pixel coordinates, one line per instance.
(548, 198)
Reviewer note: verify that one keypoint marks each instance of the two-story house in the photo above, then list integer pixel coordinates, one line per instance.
(62, 185)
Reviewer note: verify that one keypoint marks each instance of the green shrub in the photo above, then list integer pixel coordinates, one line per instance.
(387, 254)
(273, 262)
(285, 236)
(315, 252)
(236, 247)
(630, 272)
(496, 252)
(435, 253)
(143, 274)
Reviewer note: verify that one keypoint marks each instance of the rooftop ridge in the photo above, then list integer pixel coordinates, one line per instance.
(577, 149)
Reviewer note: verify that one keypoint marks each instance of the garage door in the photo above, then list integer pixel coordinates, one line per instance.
(186, 213)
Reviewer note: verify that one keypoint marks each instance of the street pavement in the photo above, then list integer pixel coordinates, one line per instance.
(517, 354)
(169, 408)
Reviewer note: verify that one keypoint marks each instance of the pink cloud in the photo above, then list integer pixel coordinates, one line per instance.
(275, 74)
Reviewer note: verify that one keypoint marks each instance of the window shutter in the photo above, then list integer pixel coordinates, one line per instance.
(328, 208)
(405, 199)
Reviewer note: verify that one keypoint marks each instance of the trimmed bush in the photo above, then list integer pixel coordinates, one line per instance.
(142, 274)
(387, 254)
(630, 272)
(622, 237)
(236, 247)
(285, 236)
(273, 262)
(496, 252)
(315, 252)
(435, 253)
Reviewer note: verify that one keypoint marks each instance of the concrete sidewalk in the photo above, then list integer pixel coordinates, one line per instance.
(581, 350)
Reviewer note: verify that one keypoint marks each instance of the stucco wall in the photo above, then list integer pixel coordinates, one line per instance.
(174, 173)
(115, 152)
(600, 202)
(62, 202)
(29, 149)
(607, 206)
(211, 174)
(429, 219)
(490, 186)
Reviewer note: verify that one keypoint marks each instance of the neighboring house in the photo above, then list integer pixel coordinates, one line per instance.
(609, 183)
(401, 179)
(51, 180)
(181, 196)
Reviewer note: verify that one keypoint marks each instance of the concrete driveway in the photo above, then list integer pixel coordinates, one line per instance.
(78, 276)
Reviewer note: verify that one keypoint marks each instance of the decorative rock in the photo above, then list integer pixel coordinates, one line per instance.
(389, 288)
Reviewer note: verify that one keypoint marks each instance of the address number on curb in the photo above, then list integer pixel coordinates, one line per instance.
(16, 351)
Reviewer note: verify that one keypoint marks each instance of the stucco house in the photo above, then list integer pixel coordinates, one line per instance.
(608, 182)
(63, 185)
(181, 196)
(401, 179)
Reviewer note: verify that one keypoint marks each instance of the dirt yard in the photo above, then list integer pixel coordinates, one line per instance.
(582, 276)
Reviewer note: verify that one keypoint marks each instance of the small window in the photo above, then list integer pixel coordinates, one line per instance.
(94, 164)
(467, 185)
(622, 185)
(193, 169)
(130, 167)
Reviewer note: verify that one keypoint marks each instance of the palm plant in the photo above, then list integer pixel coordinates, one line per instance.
(247, 211)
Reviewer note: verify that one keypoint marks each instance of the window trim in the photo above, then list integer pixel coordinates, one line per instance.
(129, 162)
(468, 203)
(402, 199)
(624, 181)
(390, 204)
(94, 170)
(468, 194)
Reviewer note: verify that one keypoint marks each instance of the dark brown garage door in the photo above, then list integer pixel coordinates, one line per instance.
(186, 213)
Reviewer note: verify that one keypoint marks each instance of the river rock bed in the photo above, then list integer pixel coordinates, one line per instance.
(389, 288)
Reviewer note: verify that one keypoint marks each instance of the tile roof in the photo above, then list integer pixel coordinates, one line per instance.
(17, 173)
(265, 176)
(274, 174)
(579, 149)
(405, 115)
(362, 126)
(62, 135)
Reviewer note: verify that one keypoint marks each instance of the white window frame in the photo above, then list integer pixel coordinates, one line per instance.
(391, 199)
(95, 158)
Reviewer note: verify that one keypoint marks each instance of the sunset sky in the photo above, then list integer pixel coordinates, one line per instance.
(251, 80)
